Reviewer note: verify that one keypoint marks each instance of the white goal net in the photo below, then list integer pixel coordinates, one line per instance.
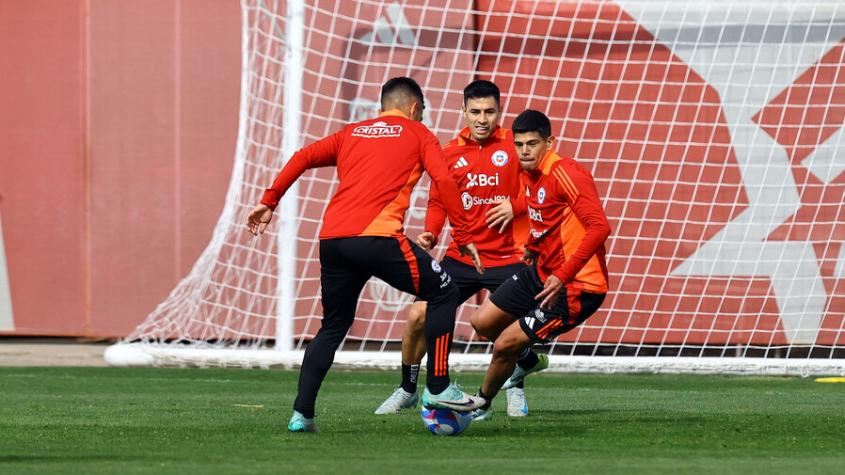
(714, 131)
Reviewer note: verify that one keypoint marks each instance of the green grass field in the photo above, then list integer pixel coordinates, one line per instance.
(111, 420)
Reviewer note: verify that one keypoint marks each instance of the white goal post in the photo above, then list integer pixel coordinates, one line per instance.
(714, 131)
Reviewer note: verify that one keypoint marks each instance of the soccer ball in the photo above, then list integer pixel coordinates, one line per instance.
(445, 421)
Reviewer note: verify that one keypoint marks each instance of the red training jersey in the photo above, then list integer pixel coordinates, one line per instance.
(568, 224)
(486, 174)
(378, 163)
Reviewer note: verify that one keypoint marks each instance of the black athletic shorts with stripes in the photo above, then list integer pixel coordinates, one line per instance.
(470, 282)
(516, 296)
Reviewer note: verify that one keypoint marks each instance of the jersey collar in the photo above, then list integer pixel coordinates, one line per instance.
(547, 161)
(393, 112)
(465, 137)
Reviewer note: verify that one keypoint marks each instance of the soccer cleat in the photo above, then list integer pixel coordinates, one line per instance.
(452, 398)
(517, 406)
(300, 423)
(400, 399)
(482, 414)
(519, 374)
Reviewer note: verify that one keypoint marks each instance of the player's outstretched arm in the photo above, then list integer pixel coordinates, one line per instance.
(435, 164)
(258, 219)
(435, 218)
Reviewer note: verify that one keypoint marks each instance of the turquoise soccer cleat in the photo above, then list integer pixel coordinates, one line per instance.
(452, 398)
(300, 423)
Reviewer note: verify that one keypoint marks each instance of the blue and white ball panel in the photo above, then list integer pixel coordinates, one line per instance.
(445, 421)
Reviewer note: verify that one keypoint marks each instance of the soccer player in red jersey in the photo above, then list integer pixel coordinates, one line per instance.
(378, 163)
(483, 163)
(566, 279)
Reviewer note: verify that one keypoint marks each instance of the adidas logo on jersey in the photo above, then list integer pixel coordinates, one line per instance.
(397, 31)
(462, 162)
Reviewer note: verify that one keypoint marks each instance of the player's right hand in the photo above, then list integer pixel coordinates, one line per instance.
(470, 250)
(500, 216)
(551, 291)
(258, 219)
(426, 240)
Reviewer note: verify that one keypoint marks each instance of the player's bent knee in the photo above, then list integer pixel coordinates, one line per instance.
(510, 342)
(505, 346)
(482, 326)
(416, 317)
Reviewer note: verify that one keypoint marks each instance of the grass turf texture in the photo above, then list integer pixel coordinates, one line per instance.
(114, 420)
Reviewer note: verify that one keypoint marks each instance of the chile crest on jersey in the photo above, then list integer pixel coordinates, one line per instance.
(499, 158)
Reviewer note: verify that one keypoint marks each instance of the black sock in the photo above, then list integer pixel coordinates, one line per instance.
(528, 359)
(486, 398)
(409, 377)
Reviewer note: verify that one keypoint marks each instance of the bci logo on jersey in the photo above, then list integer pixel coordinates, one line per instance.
(377, 130)
(534, 215)
(482, 179)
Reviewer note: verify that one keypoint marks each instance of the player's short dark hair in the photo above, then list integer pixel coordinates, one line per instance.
(479, 89)
(402, 84)
(532, 121)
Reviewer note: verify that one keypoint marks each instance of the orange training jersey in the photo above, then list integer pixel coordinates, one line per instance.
(568, 224)
(378, 163)
(486, 174)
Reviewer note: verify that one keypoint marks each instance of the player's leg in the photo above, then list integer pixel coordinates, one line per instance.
(537, 326)
(489, 321)
(413, 270)
(466, 278)
(341, 285)
(506, 350)
(514, 297)
(413, 343)
(511, 297)
(413, 349)
(517, 402)
(529, 361)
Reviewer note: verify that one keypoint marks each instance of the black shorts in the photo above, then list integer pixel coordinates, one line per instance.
(470, 282)
(516, 296)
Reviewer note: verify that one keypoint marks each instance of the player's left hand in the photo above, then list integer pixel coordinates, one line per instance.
(471, 250)
(551, 291)
(258, 219)
(500, 216)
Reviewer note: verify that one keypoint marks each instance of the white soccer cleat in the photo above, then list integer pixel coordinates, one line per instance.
(400, 399)
(517, 406)
(452, 398)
